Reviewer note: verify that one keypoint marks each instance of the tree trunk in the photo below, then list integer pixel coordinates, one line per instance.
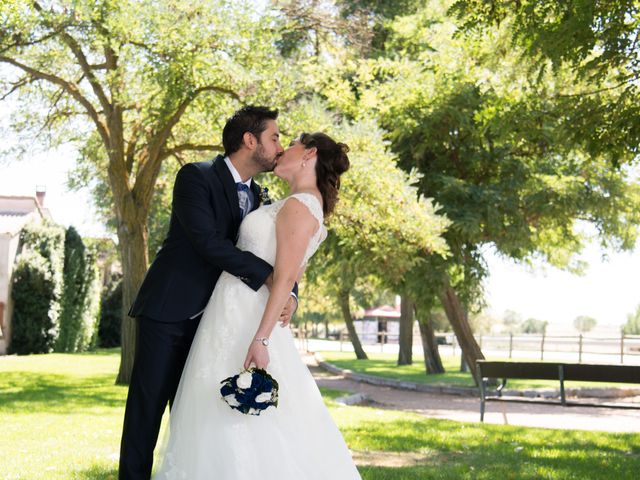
(432, 361)
(457, 315)
(405, 353)
(343, 299)
(132, 237)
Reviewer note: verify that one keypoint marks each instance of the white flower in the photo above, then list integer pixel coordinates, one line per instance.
(263, 397)
(244, 380)
(231, 400)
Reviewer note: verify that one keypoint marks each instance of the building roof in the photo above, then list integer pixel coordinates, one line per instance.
(385, 311)
(17, 211)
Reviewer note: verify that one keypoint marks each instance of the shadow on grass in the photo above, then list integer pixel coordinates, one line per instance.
(97, 472)
(56, 393)
(484, 451)
(101, 352)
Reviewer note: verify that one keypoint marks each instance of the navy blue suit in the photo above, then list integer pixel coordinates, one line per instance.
(200, 244)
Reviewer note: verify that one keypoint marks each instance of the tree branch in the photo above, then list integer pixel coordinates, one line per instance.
(29, 43)
(84, 64)
(164, 132)
(131, 147)
(143, 187)
(69, 87)
(26, 80)
(190, 147)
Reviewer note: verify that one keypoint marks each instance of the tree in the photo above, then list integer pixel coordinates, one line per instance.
(134, 83)
(406, 331)
(533, 325)
(80, 303)
(494, 149)
(597, 40)
(511, 320)
(380, 227)
(584, 323)
(632, 327)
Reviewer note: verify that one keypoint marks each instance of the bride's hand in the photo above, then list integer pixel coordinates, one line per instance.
(258, 354)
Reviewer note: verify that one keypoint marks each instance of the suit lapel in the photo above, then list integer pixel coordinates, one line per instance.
(255, 188)
(230, 190)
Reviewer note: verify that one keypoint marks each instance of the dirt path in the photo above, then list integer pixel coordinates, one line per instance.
(467, 409)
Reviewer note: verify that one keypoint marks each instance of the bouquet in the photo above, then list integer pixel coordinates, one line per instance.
(251, 391)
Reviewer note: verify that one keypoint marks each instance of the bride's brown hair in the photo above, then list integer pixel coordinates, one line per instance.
(332, 161)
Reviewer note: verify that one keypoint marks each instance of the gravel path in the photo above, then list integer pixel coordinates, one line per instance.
(467, 409)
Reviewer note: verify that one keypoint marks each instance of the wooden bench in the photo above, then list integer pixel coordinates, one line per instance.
(552, 371)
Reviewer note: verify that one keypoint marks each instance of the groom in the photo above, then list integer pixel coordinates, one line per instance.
(210, 199)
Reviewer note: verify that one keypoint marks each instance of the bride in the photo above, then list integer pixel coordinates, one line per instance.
(298, 440)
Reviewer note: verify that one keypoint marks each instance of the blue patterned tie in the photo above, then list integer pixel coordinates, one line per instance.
(243, 198)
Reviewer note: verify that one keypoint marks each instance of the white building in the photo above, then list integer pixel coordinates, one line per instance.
(379, 325)
(15, 213)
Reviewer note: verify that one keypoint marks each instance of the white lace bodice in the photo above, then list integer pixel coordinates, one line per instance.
(258, 230)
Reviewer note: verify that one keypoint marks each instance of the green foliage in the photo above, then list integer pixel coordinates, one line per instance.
(380, 226)
(511, 159)
(632, 327)
(533, 325)
(34, 322)
(37, 288)
(596, 40)
(80, 298)
(584, 323)
(110, 313)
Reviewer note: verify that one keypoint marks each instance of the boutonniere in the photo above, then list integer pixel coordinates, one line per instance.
(264, 196)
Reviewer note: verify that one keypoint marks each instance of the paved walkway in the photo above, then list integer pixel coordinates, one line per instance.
(467, 409)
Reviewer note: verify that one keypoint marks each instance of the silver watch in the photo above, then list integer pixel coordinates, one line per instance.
(263, 340)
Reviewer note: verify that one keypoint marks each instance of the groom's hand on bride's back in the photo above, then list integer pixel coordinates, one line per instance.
(287, 313)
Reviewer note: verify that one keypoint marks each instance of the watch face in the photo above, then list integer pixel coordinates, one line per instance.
(265, 342)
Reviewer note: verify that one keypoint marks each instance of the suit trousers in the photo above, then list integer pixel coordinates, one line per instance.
(161, 352)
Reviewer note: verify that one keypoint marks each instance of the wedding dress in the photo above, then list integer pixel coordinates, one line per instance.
(297, 440)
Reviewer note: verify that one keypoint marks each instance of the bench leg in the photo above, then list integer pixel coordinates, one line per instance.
(482, 399)
(563, 398)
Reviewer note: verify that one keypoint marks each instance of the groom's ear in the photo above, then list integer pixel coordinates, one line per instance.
(250, 141)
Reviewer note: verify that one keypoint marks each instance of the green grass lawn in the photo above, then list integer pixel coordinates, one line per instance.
(61, 417)
(384, 365)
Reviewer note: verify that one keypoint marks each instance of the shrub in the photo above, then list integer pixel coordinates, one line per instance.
(81, 296)
(111, 313)
(34, 323)
(36, 290)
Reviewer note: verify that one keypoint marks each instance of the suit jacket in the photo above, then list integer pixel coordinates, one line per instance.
(200, 244)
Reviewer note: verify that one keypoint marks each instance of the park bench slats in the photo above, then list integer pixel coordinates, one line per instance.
(552, 371)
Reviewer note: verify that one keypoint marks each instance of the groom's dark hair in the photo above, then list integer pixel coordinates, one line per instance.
(250, 119)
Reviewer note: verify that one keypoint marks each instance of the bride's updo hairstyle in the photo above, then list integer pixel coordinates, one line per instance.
(332, 161)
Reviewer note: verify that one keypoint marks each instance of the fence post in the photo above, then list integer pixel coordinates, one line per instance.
(341, 338)
(382, 339)
(542, 346)
(622, 347)
(510, 345)
(453, 345)
(580, 349)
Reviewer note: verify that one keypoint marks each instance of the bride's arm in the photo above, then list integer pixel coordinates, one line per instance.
(295, 225)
